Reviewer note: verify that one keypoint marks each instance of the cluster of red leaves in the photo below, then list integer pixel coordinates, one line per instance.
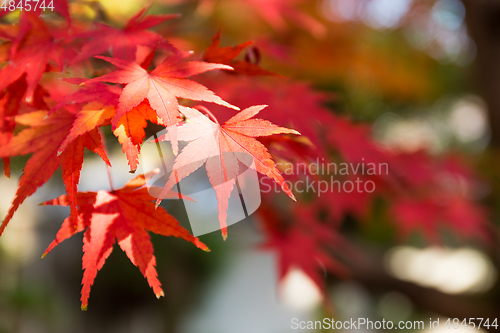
(55, 122)
(426, 194)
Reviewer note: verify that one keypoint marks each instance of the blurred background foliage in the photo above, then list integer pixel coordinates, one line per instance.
(413, 69)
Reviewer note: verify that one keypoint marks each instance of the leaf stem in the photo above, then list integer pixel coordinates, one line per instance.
(207, 111)
(108, 169)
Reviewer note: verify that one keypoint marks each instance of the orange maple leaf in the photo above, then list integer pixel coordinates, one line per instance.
(130, 131)
(100, 111)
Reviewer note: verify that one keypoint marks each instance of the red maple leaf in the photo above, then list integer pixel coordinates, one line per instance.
(160, 86)
(123, 42)
(287, 101)
(125, 215)
(43, 138)
(40, 46)
(225, 55)
(221, 148)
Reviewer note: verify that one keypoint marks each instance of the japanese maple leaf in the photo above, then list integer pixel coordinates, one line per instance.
(37, 48)
(225, 55)
(125, 215)
(287, 102)
(43, 138)
(123, 42)
(160, 87)
(221, 148)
